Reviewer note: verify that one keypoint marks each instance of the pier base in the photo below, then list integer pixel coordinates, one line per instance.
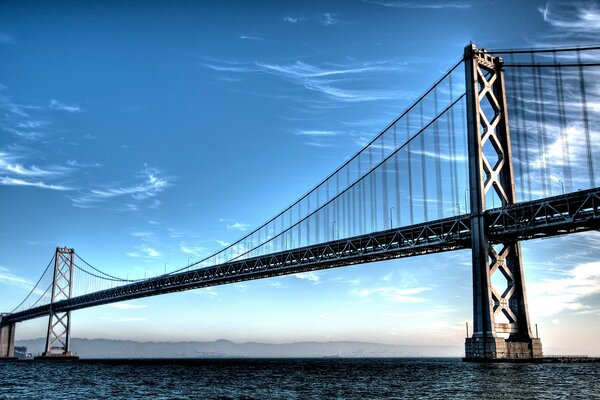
(7, 341)
(495, 348)
(67, 356)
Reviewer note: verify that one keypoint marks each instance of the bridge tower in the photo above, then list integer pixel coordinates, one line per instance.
(7, 340)
(501, 327)
(58, 339)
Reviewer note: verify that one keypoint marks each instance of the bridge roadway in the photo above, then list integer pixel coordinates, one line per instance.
(553, 216)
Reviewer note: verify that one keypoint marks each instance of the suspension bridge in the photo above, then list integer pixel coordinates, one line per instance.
(502, 148)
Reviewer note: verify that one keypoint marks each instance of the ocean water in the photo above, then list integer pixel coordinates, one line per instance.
(296, 379)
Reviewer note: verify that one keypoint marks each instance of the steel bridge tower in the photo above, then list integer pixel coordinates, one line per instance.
(496, 311)
(58, 338)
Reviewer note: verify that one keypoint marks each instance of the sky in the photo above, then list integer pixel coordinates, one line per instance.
(147, 135)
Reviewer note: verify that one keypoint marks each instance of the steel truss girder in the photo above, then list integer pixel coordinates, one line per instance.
(555, 216)
(490, 173)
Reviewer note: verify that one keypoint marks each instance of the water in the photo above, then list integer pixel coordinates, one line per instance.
(297, 379)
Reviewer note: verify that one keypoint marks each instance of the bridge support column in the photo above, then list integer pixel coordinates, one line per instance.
(501, 326)
(7, 341)
(58, 338)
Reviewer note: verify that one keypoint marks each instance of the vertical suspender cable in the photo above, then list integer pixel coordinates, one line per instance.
(586, 124)
(522, 132)
(397, 179)
(541, 129)
(517, 165)
(410, 188)
(451, 138)
(563, 127)
(423, 164)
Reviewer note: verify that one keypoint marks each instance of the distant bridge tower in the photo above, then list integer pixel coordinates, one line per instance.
(495, 310)
(7, 340)
(58, 339)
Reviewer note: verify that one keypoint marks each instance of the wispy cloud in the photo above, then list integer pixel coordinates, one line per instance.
(330, 80)
(430, 5)
(9, 165)
(318, 138)
(144, 251)
(293, 20)
(70, 108)
(351, 82)
(194, 250)
(238, 226)
(9, 278)
(128, 319)
(250, 37)
(317, 133)
(127, 306)
(75, 163)
(8, 181)
(402, 295)
(310, 276)
(143, 235)
(153, 183)
(568, 292)
(328, 19)
(572, 16)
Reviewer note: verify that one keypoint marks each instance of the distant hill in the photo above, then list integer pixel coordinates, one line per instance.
(104, 348)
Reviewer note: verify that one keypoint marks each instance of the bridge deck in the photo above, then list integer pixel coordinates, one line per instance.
(554, 216)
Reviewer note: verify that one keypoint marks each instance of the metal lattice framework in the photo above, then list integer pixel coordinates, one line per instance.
(574, 212)
(496, 310)
(59, 322)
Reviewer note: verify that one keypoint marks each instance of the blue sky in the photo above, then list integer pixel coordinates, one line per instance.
(149, 135)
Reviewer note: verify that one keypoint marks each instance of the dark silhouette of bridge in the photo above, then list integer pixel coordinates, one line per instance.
(502, 148)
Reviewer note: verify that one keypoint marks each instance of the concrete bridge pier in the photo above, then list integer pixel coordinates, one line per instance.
(7, 341)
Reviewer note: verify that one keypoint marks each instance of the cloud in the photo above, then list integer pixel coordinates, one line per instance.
(350, 82)
(572, 16)
(328, 81)
(310, 276)
(70, 108)
(9, 278)
(7, 181)
(127, 306)
(568, 292)
(145, 236)
(239, 226)
(250, 37)
(328, 19)
(402, 295)
(293, 20)
(128, 319)
(302, 132)
(75, 163)
(227, 68)
(9, 166)
(419, 4)
(207, 291)
(195, 250)
(153, 182)
(145, 252)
